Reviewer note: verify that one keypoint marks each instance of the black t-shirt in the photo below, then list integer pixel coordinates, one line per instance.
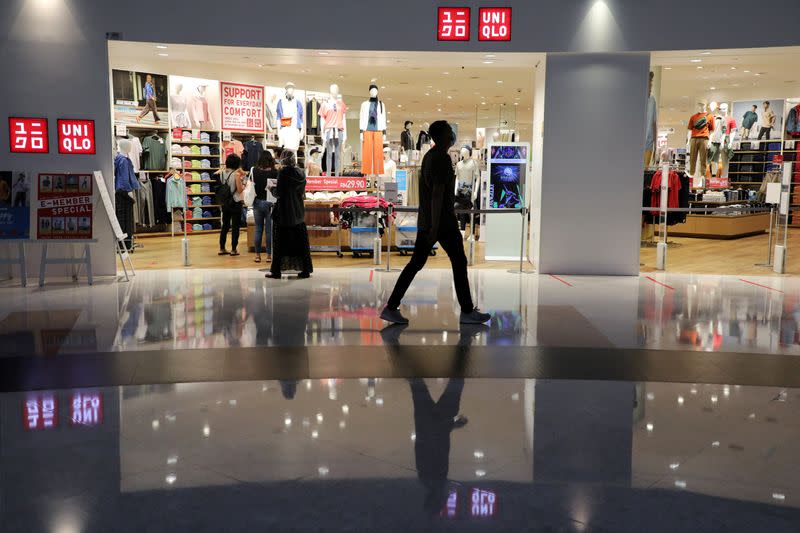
(436, 168)
(260, 177)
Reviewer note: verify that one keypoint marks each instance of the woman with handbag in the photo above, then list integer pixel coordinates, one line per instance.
(290, 246)
(264, 175)
(229, 196)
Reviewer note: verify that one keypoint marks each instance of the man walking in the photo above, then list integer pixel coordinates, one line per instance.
(437, 222)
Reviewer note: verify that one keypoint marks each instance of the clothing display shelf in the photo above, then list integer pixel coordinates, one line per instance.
(213, 145)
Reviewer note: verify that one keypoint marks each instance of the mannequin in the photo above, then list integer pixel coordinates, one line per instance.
(722, 139)
(199, 109)
(651, 125)
(372, 124)
(125, 183)
(313, 163)
(424, 140)
(290, 119)
(700, 126)
(407, 138)
(333, 114)
(389, 166)
(467, 183)
(312, 115)
(179, 105)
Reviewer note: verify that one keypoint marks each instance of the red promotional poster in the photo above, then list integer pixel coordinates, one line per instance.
(40, 411)
(329, 183)
(76, 136)
(242, 107)
(715, 182)
(64, 209)
(28, 135)
(494, 24)
(453, 24)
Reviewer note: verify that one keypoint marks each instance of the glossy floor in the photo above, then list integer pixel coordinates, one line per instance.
(210, 309)
(401, 455)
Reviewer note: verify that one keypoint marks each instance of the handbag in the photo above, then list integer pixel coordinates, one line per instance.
(249, 192)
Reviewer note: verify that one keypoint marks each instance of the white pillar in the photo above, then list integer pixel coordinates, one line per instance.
(588, 194)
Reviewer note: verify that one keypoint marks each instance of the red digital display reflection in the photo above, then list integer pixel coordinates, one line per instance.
(40, 411)
(87, 409)
(484, 504)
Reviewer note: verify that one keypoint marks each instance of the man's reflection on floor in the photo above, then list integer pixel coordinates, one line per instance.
(434, 421)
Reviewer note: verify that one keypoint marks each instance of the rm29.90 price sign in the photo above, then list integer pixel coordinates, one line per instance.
(76, 136)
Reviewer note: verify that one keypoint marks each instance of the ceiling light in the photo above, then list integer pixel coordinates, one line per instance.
(747, 72)
(383, 86)
(427, 94)
(449, 97)
(260, 65)
(778, 496)
(674, 466)
(705, 53)
(699, 68)
(488, 62)
(695, 60)
(162, 54)
(667, 68)
(489, 55)
(680, 484)
(161, 46)
(516, 103)
(715, 444)
(712, 88)
(733, 68)
(757, 73)
(649, 426)
(680, 400)
(438, 91)
(445, 73)
(499, 81)
(399, 105)
(323, 53)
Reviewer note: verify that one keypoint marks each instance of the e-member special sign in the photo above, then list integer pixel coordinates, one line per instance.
(242, 107)
(332, 183)
(64, 209)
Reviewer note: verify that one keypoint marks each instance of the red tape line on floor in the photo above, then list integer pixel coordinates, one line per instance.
(659, 283)
(567, 283)
(371, 273)
(762, 286)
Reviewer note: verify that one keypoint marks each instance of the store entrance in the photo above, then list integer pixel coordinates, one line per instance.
(180, 110)
(725, 122)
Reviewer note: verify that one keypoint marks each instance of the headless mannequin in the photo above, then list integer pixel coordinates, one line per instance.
(290, 120)
(179, 107)
(728, 138)
(697, 144)
(467, 180)
(333, 130)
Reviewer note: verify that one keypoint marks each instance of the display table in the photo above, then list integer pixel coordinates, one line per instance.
(721, 226)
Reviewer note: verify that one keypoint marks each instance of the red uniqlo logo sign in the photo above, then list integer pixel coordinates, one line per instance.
(453, 24)
(494, 24)
(87, 409)
(40, 412)
(76, 136)
(28, 135)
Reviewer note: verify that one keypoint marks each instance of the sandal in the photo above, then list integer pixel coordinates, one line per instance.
(234, 253)
(258, 259)
(223, 252)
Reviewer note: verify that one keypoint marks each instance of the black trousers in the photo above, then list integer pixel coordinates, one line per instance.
(452, 243)
(764, 131)
(231, 221)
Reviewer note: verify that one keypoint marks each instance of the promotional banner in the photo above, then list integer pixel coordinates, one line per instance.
(14, 205)
(759, 119)
(325, 183)
(139, 98)
(718, 182)
(64, 208)
(242, 107)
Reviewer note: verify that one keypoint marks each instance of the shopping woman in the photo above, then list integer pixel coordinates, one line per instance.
(290, 248)
(264, 175)
(232, 206)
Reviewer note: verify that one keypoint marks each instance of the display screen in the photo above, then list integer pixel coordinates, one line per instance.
(503, 153)
(506, 185)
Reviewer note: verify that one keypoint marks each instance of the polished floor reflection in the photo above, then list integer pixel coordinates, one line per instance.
(208, 309)
(401, 455)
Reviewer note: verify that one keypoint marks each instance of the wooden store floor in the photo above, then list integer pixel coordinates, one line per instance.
(685, 255)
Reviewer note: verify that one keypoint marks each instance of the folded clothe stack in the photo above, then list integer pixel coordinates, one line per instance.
(205, 187)
(186, 136)
(187, 164)
(196, 176)
(177, 133)
(194, 150)
(197, 201)
(177, 149)
(197, 227)
(206, 214)
(206, 199)
(197, 212)
(195, 164)
(205, 150)
(175, 163)
(196, 188)
(189, 214)
(205, 137)
(205, 163)
(206, 226)
(205, 176)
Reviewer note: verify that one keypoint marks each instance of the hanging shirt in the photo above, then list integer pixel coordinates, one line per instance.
(124, 178)
(252, 153)
(176, 193)
(674, 186)
(154, 153)
(232, 147)
(312, 116)
(135, 154)
(649, 132)
(701, 124)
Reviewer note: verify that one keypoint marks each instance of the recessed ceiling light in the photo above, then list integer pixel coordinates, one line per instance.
(499, 81)
(427, 94)
(162, 54)
(323, 53)
(667, 68)
(260, 65)
(758, 73)
(489, 55)
(383, 86)
(695, 60)
(438, 91)
(699, 68)
(449, 97)
(445, 73)
(712, 88)
(747, 72)
(161, 46)
(516, 103)
(488, 62)
(733, 68)
(706, 53)
(399, 105)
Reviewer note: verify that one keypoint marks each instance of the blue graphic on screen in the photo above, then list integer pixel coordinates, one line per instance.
(509, 153)
(506, 185)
